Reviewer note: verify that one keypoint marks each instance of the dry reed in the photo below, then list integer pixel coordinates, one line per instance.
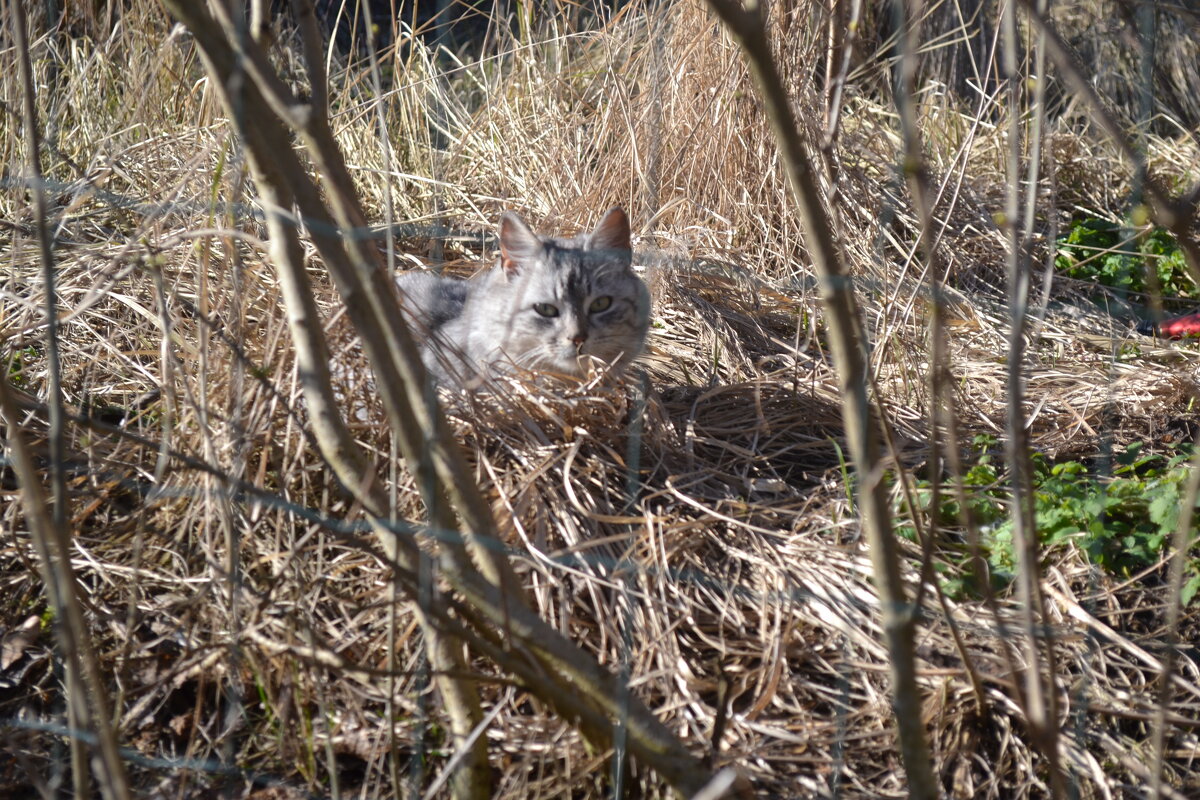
(690, 527)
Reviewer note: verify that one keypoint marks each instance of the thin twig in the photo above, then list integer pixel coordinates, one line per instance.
(1182, 545)
(52, 536)
(1042, 701)
(940, 375)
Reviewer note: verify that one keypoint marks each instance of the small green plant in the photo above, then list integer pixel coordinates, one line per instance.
(984, 493)
(1116, 256)
(1122, 522)
(18, 363)
(987, 496)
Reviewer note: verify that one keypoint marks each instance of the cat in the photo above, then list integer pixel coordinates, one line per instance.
(549, 305)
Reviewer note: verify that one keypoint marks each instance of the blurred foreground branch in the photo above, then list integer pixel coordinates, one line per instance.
(490, 610)
(1178, 216)
(1041, 695)
(88, 709)
(845, 336)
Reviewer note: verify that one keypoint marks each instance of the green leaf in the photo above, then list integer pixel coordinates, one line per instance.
(1189, 590)
(1164, 507)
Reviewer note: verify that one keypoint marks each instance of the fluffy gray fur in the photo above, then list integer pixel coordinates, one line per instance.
(549, 305)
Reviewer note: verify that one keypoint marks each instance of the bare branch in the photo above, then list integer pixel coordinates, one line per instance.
(1041, 701)
(558, 671)
(51, 536)
(1182, 544)
(837, 295)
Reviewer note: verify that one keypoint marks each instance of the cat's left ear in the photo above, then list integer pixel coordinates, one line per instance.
(611, 232)
(518, 244)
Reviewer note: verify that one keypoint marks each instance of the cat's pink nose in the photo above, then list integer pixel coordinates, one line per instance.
(579, 338)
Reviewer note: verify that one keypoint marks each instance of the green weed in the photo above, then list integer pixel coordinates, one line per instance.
(1117, 256)
(1121, 521)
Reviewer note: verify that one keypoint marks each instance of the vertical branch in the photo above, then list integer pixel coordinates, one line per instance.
(1183, 542)
(746, 23)
(1041, 701)
(1025, 542)
(941, 397)
(51, 536)
(1174, 215)
(76, 700)
(1035, 166)
(841, 48)
(1147, 24)
(33, 144)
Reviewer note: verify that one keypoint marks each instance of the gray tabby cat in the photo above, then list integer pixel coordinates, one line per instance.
(548, 305)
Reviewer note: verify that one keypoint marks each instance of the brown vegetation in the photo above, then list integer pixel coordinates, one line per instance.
(692, 531)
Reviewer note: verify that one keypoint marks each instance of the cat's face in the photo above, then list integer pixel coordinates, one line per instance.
(569, 302)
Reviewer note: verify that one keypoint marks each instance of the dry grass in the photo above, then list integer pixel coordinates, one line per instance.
(691, 528)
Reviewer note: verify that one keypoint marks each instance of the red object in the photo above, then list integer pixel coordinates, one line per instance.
(1176, 328)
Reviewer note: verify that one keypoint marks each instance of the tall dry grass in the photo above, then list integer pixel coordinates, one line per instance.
(694, 534)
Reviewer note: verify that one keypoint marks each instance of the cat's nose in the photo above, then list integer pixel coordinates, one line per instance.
(579, 338)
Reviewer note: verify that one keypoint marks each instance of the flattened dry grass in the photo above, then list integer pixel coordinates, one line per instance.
(690, 526)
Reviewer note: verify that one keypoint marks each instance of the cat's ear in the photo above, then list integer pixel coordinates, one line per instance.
(611, 232)
(518, 244)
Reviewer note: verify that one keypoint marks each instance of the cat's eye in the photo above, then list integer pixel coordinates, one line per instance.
(546, 309)
(600, 304)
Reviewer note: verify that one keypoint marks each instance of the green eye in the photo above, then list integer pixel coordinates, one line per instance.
(546, 309)
(600, 304)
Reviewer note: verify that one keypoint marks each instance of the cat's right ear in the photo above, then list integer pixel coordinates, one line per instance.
(518, 244)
